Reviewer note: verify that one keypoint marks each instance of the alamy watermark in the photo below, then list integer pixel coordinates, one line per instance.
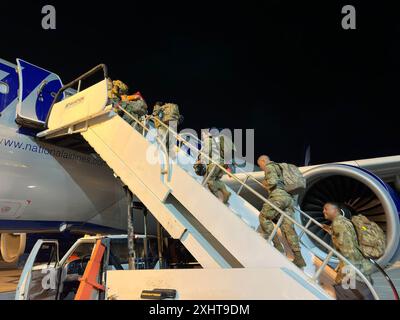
(49, 19)
(222, 146)
(349, 20)
(49, 281)
(349, 278)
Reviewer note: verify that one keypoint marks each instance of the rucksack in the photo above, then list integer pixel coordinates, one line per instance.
(170, 112)
(371, 238)
(292, 178)
(139, 107)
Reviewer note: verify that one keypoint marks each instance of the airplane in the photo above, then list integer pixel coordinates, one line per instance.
(86, 197)
(48, 187)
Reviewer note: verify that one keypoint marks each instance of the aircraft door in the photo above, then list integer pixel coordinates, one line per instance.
(37, 89)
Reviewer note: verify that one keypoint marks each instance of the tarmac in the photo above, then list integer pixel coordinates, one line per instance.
(8, 283)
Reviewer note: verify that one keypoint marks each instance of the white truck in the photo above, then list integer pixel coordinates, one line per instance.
(47, 277)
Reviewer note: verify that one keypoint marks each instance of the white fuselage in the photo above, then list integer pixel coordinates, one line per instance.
(44, 187)
(43, 182)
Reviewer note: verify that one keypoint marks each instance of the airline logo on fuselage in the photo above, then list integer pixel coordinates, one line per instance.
(38, 85)
(8, 76)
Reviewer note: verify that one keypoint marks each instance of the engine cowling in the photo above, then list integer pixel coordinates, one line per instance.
(360, 192)
(12, 246)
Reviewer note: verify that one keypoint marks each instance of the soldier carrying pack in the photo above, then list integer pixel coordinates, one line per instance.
(371, 238)
(166, 112)
(292, 177)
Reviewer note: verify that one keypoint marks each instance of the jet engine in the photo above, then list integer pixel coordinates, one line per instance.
(358, 191)
(12, 246)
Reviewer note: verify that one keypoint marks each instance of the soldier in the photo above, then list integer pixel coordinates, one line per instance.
(166, 113)
(136, 106)
(345, 241)
(133, 104)
(215, 149)
(116, 89)
(283, 200)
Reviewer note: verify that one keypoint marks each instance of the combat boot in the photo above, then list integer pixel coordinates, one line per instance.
(298, 259)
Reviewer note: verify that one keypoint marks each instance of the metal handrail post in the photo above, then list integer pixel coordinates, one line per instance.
(322, 267)
(276, 227)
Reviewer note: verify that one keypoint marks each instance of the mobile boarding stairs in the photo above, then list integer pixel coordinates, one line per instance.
(237, 263)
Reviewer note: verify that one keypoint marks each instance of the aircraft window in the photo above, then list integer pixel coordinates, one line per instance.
(4, 88)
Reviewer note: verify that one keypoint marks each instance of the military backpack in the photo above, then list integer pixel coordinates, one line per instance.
(138, 106)
(170, 112)
(292, 178)
(371, 238)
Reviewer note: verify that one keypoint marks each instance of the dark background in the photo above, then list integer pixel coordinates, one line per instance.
(285, 68)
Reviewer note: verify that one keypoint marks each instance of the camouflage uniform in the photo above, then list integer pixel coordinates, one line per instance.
(136, 108)
(165, 114)
(214, 182)
(283, 200)
(115, 90)
(345, 241)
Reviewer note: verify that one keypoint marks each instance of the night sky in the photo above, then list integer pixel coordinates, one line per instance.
(286, 69)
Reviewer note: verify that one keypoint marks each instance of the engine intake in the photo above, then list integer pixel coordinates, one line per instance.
(359, 192)
(12, 246)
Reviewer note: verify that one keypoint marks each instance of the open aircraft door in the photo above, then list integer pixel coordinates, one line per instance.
(37, 89)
